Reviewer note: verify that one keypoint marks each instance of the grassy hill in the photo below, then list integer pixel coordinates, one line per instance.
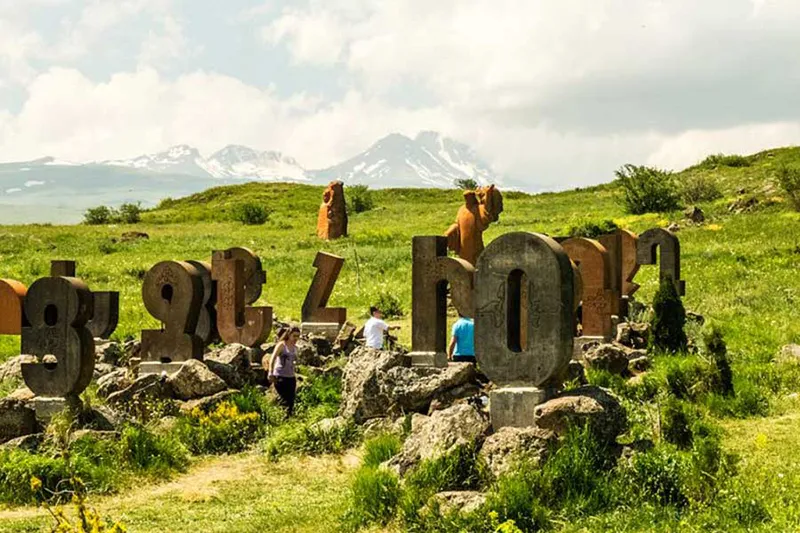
(741, 270)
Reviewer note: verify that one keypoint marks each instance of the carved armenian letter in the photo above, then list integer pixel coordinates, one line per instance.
(622, 248)
(432, 271)
(661, 246)
(236, 321)
(106, 304)
(58, 309)
(172, 292)
(315, 307)
(598, 300)
(207, 321)
(12, 296)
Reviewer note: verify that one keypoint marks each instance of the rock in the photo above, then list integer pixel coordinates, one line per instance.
(103, 369)
(227, 373)
(458, 501)
(16, 419)
(695, 214)
(633, 335)
(441, 433)
(328, 425)
(590, 405)
(131, 349)
(695, 317)
(608, 357)
(206, 404)
(446, 398)
(23, 394)
(576, 373)
(27, 443)
(236, 355)
(13, 367)
(307, 354)
(149, 387)
(93, 434)
(413, 389)
(744, 204)
(503, 450)
(362, 394)
(194, 380)
(789, 354)
(101, 418)
(133, 236)
(380, 426)
(639, 364)
(674, 227)
(109, 352)
(629, 451)
(322, 345)
(113, 382)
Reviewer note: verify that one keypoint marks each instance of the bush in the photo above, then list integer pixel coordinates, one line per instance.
(251, 214)
(225, 429)
(129, 213)
(380, 449)
(96, 216)
(722, 160)
(373, 499)
(591, 230)
(718, 350)
(669, 319)
(789, 180)
(700, 188)
(319, 397)
(657, 476)
(389, 304)
(647, 190)
(676, 423)
(359, 198)
(467, 184)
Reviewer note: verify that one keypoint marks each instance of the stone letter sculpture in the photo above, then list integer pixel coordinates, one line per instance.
(207, 321)
(12, 296)
(431, 273)
(660, 246)
(597, 298)
(106, 304)
(622, 248)
(523, 376)
(234, 272)
(315, 307)
(58, 309)
(332, 218)
(173, 293)
(481, 208)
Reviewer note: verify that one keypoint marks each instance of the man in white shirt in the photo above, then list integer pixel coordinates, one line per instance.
(375, 328)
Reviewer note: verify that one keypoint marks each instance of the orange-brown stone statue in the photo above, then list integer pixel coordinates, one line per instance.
(481, 207)
(332, 219)
(12, 294)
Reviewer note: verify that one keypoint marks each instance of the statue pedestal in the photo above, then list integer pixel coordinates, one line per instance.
(515, 406)
(329, 330)
(434, 359)
(150, 367)
(581, 342)
(46, 408)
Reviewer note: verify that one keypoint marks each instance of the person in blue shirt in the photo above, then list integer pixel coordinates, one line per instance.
(462, 344)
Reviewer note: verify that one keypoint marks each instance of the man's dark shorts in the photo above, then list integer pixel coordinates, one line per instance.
(464, 359)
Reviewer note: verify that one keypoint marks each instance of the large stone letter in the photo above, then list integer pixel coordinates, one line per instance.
(597, 297)
(622, 249)
(660, 246)
(431, 273)
(106, 304)
(315, 307)
(508, 263)
(58, 309)
(12, 295)
(207, 321)
(236, 321)
(173, 293)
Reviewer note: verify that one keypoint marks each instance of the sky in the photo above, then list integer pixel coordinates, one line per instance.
(551, 94)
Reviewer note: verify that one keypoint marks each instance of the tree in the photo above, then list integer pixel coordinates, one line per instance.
(647, 190)
(466, 184)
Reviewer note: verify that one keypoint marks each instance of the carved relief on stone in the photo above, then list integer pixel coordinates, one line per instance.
(332, 218)
(598, 300)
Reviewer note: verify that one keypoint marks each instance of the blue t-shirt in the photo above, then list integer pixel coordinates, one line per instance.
(464, 333)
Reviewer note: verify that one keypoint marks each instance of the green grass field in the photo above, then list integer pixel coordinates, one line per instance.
(740, 270)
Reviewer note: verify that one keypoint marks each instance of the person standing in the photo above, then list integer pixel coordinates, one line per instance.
(462, 343)
(375, 329)
(282, 365)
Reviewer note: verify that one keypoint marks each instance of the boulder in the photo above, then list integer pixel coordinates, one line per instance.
(227, 373)
(458, 501)
(237, 356)
(322, 345)
(149, 387)
(441, 433)
(381, 426)
(363, 396)
(674, 227)
(413, 389)
(27, 443)
(633, 335)
(102, 369)
(608, 357)
(591, 405)
(789, 354)
(576, 373)
(639, 364)
(131, 349)
(194, 380)
(23, 394)
(113, 382)
(307, 355)
(101, 418)
(504, 449)
(206, 404)
(16, 419)
(329, 425)
(695, 214)
(12, 369)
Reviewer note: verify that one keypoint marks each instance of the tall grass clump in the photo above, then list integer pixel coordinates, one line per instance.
(373, 498)
(699, 188)
(152, 453)
(721, 160)
(592, 230)
(222, 429)
(669, 319)
(317, 438)
(251, 214)
(789, 180)
(380, 449)
(647, 190)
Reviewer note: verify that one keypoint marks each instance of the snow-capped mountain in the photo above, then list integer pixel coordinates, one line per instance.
(428, 160)
(233, 161)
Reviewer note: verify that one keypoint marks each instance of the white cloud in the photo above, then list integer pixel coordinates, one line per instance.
(160, 48)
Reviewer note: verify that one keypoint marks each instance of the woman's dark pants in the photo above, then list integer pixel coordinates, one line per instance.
(286, 388)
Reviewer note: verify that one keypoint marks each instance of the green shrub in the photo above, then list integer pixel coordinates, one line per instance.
(129, 213)
(97, 215)
(699, 188)
(311, 438)
(359, 198)
(789, 180)
(225, 429)
(467, 184)
(718, 350)
(251, 214)
(669, 319)
(657, 476)
(676, 423)
(319, 397)
(592, 230)
(721, 160)
(688, 377)
(647, 190)
(159, 455)
(374, 495)
(389, 304)
(514, 497)
(380, 449)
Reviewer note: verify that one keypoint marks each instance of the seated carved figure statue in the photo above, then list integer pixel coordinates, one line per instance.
(481, 207)
(332, 219)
